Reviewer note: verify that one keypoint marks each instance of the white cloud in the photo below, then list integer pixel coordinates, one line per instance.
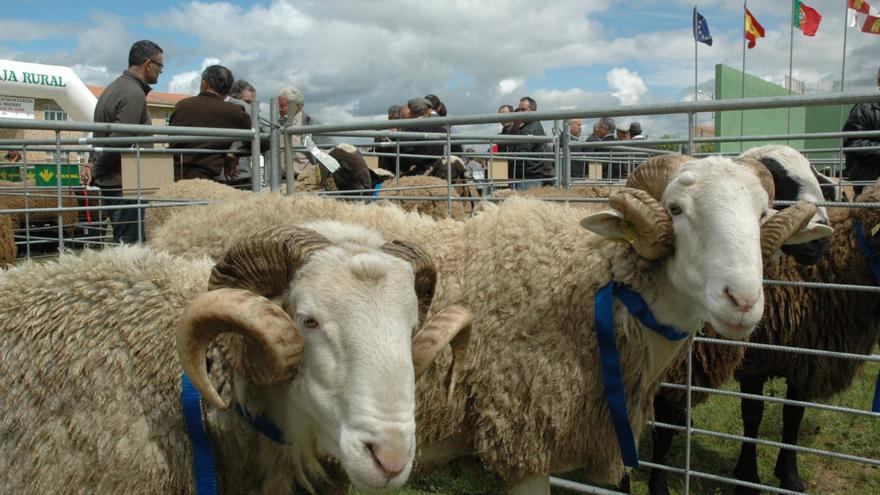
(187, 83)
(507, 86)
(626, 85)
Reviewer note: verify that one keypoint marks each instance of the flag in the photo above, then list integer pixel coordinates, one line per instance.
(805, 18)
(872, 25)
(754, 29)
(701, 29)
(859, 6)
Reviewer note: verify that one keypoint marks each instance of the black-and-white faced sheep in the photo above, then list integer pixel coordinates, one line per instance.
(315, 330)
(834, 320)
(530, 398)
(793, 320)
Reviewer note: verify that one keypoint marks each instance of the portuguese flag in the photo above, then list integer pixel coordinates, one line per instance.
(805, 18)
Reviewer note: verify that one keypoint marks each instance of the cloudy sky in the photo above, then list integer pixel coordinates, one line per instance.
(354, 58)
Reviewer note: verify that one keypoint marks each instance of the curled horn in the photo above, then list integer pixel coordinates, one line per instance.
(782, 225)
(452, 325)
(763, 174)
(639, 202)
(269, 346)
(423, 267)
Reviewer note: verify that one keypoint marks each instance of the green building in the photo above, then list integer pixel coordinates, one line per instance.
(729, 85)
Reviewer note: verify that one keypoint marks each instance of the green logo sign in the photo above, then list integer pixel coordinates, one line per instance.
(10, 75)
(43, 175)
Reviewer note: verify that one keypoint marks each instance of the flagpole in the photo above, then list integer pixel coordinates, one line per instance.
(790, 65)
(694, 22)
(742, 114)
(696, 68)
(845, 30)
(840, 107)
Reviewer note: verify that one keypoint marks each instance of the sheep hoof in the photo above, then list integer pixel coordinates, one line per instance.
(787, 471)
(658, 483)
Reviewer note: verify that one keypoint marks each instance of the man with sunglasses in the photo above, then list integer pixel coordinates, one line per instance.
(124, 101)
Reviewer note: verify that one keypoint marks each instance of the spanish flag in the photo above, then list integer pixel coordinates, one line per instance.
(754, 29)
(859, 6)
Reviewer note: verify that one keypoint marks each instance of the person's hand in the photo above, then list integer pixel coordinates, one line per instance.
(85, 174)
(230, 167)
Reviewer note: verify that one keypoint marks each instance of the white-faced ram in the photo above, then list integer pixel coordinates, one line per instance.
(317, 331)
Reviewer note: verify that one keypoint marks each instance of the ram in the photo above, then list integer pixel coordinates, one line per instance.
(317, 341)
(530, 397)
(795, 180)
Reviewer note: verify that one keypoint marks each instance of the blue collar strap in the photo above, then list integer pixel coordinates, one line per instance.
(868, 251)
(375, 193)
(874, 262)
(612, 377)
(262, 424)
(203, 455)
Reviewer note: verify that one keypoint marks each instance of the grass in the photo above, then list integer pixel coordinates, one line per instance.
(839, 432)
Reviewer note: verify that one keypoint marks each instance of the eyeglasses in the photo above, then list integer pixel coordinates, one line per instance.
(161, 66)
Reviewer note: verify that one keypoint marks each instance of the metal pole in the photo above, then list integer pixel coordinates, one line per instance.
(288, 161)
(694, 23)
(790, 69)
(557, 162)
(58, 189)
(449, 171)
(687, 431)
(742, 114)
(27, 219)
(397, 167)
(256, 172)
(840, 155)
(564, 140)
(140, 211)
(691, 131)
(274, 169)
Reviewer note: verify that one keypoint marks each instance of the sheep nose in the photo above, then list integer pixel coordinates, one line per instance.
(391, 461)
(742, 302)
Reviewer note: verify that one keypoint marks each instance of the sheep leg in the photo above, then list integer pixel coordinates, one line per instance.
(536, 485)
(786, 463)
(752, 413)
(665, 411)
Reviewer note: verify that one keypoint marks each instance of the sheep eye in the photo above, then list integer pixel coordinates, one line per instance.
(308, 322)
(674, 209)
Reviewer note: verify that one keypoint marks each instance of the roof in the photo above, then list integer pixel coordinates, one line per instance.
(156, 98)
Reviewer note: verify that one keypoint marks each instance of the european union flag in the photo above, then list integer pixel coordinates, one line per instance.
(701, 29)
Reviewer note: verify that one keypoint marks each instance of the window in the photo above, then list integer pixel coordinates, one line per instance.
(53, 112)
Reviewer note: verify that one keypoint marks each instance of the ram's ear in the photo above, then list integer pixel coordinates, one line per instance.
(606, 223)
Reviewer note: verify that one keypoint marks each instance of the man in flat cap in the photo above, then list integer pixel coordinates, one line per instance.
(420, 108)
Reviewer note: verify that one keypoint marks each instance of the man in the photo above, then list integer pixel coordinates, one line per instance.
(863, 165)
(208, 109)
(388, 163)
(575, 131)
(529, 168)
(605, 130)
(124, 101)
(420, 108)
(290, 106)
(635, 132)
(244, 95)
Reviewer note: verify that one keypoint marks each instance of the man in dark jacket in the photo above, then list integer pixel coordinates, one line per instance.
(208, 109)
(124, 101)
(863, 165)
(420, 108)
(525, 168)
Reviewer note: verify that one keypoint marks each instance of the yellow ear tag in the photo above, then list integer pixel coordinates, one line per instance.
(874, 229)
(628, 230)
